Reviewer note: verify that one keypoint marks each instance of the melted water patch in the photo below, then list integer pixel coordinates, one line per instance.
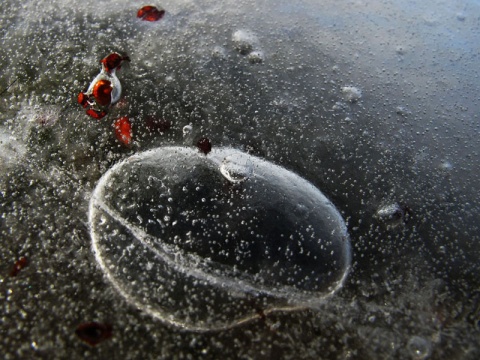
(208, 242)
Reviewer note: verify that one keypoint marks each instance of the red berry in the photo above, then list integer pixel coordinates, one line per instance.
(150, 13)
(113, 61)
(82, 99)
(102, 91)
(123, 130)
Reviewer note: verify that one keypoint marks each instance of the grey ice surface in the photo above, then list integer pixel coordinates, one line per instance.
(376, 103)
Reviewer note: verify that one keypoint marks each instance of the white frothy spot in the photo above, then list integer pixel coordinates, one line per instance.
(351, 93)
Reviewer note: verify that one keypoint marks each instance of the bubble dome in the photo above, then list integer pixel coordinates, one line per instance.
(180, 237)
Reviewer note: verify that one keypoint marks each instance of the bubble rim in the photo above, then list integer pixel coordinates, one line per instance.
(217, 155)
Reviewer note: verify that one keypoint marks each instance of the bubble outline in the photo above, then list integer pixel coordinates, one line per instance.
(217, 156)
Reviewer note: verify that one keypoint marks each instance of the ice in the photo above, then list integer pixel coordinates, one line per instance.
(400, 165)
(224, 248)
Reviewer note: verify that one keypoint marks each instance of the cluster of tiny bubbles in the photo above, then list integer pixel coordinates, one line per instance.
(246, 43)
(208, 242)
(351, 93)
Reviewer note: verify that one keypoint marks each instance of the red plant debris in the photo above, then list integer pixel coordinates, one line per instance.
(82, 99)
(123, 130)
(101, 94)
(150, 13)
(96, 114)
(19, 265)
(94, 333)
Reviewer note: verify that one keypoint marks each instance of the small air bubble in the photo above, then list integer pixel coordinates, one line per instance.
(187, 129)
(419, 347)
(400, 50)
(219, 52)
(446, 166)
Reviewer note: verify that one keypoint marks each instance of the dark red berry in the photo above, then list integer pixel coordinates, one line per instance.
(204, 145)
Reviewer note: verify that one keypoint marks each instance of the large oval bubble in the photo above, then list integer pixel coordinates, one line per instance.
(208, 242)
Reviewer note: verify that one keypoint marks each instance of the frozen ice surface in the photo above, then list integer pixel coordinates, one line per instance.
(180, 241)
(411, 140)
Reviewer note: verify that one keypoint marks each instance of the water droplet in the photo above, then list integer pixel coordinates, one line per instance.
(236, 167)
(402, 111)
(224, 250)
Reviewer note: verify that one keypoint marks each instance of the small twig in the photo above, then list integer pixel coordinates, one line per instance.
(8, 87)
